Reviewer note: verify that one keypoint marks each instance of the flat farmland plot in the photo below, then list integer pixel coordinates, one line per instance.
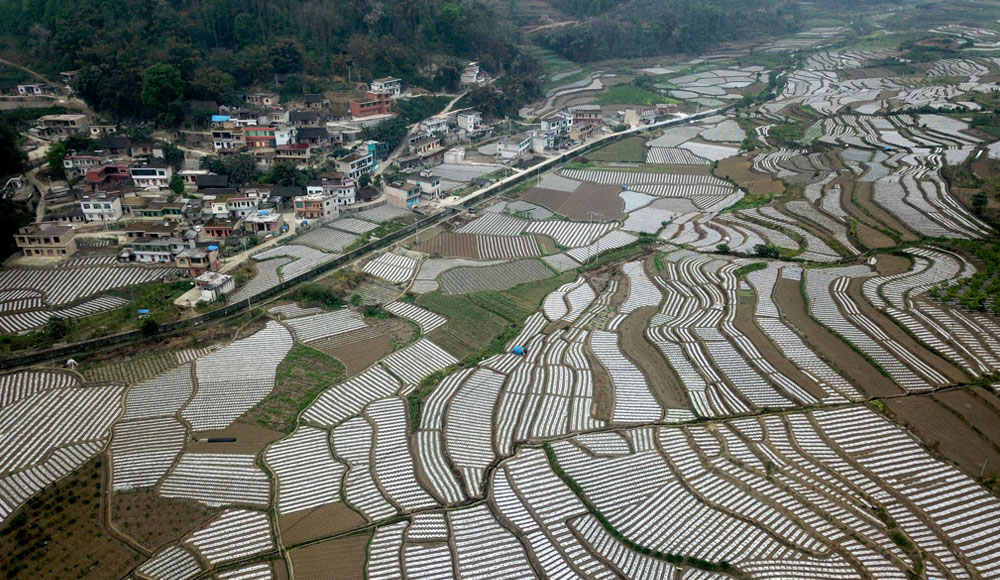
(217, 480)
(500, 277)
(391, 267)
(327, 324)
(326, 239)
(235, 534)
(579, 203)
(451, 245)
(308, 475)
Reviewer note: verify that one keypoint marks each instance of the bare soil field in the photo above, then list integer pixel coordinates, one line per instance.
(850, 364)
(863, 198)
(323, 521)
(547, 244)
(59, 534)
(357, 356)
(891, 264)
(908, 342)
(153, 521)
(300, 378)
(745, 324)
(577, 205)
(340, 559)
(977, 406)
(663, 383)
(739, 170)
(451, 245)
(871, 238)
(250, 438)
(604, 389)
(945, 432)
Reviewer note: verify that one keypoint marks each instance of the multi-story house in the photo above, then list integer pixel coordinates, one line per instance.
(157, 250)
(557, 121)
(259, 137)
(76, 166)
(239, 206)
(46, 240)
(107, 174)
(355, 165)
(513, 147)
(470, 121)
(151, 175)
(392, 86)
(227, 138)
(102, 206)
(63, 125)
(194, 262)
(296, 154)
(403, 194)
(586, 113)
(374, 104)
(315, 206)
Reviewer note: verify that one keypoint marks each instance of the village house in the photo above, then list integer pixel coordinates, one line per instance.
(355, 165)
(472, 75)
(136, 230)
(194, 262)
(46, 240)
(156, 250)
(406, 195)
(63, 125)
(314, 206)
(259, 137)
(115, 145)
(586, 113)
(374, 104)
(557, 121)
(227, 138)
(263, 99)
(316, 101)
(76, 166)
(214, 285)
(8, 88)
(313, 136)
(470, 121)
(389, 85)
(513, 147)
(151, 175)
(220, 227)
(264, 222)
(305, 118)
(102, 206)
(31, 89)
(108, 174)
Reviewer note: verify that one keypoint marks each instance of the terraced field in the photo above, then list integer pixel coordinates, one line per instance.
(719, 383)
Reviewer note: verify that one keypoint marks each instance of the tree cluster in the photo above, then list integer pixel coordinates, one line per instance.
(144, 59)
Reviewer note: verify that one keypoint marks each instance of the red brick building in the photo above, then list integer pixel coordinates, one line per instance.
(376, 104)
